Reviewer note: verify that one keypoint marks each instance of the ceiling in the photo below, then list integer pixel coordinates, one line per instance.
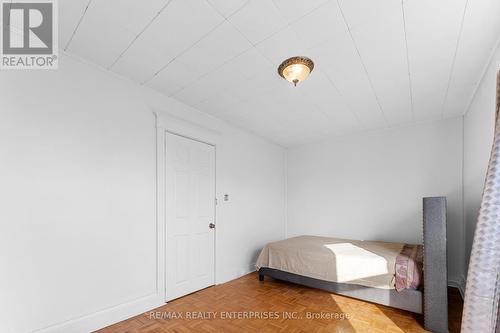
(378, 63)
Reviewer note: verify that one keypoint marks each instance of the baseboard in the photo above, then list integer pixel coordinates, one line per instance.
(459, 284)
(106, 317)
(232, 274)
(101, 319)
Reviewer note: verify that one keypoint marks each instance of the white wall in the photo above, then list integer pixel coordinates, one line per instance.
(479, 123)
(77, 197)
(370, 186)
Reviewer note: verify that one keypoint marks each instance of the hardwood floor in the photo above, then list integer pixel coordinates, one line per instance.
(289, 308)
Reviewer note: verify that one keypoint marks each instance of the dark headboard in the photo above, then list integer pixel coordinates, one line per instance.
(435, 265)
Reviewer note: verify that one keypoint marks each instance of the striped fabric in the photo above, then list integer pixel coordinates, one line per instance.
(481, 311)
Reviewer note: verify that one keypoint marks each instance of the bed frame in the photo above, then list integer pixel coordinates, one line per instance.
(432, 301)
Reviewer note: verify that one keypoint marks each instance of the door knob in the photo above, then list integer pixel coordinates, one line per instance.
(211, 226)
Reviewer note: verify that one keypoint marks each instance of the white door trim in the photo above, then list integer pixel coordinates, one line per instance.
(164, 125)
(190, 138)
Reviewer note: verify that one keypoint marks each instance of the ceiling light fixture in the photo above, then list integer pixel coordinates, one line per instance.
(296, 69)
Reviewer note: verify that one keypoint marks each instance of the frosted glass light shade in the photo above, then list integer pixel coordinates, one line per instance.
(296, 69)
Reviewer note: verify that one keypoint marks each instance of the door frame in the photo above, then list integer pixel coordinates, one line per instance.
(171, 125)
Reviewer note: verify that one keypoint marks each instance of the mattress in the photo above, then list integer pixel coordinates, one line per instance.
(366, 263)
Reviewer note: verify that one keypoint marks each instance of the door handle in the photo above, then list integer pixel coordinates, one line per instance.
(211, 226)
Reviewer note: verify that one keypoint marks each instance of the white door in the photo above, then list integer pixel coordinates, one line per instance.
(190, 211)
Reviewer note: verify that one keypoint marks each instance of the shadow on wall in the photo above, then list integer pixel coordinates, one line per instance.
(255, 255)
(472, 205)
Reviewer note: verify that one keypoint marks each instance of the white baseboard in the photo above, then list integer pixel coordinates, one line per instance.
(101, 319)
(234, 273)
(113, 315)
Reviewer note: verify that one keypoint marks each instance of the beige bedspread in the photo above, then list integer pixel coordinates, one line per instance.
(366, 263)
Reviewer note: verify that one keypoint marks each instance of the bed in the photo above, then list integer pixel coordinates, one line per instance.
(366, 270)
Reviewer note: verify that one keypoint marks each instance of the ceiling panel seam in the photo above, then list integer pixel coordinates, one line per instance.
(329, 116)
(225, 19)
(452, 69)
(483, 74)
(291, 22)
(77, 25)
(182, 52)
(140, 33)
(346, 102)
(205, 75)
(241, 33)
(224, 16)
(363, 64)
(254, 44)
(360, 122)
(408, 61)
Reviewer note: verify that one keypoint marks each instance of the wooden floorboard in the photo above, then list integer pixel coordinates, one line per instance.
(226, 308)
